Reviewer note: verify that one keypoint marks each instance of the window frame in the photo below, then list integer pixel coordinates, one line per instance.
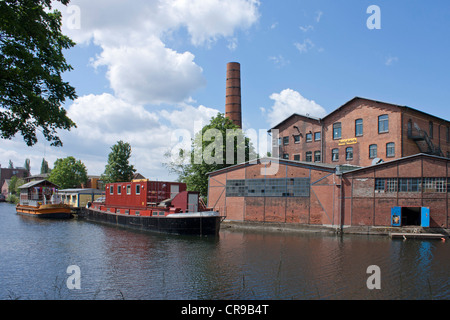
(359, 126)
(383, 123)
(390, 146)
(337, 128)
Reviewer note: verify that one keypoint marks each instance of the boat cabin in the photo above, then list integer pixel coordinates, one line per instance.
(149, 198)
(38, 192)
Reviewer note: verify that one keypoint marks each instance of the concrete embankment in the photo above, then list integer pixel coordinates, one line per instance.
(301, 228)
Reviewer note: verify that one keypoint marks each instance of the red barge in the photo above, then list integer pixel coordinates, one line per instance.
(156, 206)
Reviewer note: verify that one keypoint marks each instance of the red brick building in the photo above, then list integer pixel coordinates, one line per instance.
(415, 188)
(362, 132)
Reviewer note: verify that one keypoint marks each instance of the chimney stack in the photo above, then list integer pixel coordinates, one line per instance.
(233, 93)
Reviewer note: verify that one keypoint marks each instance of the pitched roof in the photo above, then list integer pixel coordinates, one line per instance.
(350, 101)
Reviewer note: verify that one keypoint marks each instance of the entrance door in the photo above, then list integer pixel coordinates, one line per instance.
(425, 217)
(396, 216)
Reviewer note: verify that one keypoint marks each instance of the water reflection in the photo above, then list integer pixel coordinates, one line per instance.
(118, 263)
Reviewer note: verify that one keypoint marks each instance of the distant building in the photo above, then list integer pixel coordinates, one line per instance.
(362, 132)
(5, 188)
(8, 173)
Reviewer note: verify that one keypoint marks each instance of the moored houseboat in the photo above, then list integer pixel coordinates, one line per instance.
(37, 199)
(156, 206)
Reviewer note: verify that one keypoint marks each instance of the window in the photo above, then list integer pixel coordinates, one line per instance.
(128, 189)
(119, 189)
(349, 153)
(308, 157)
(286, 156)
(410, 184)
(316, 136)
(296, 157)
(380, 184)
(111, 189)
(335, 155)
(138, 189)
(337, 130)
(272, 187)
(390, 149)
(434, 185)
(316, 156)
(286, 140)
(383, 123)
(431, 129)
(448, 134)
(235, 188)
(372, 151)
(391, 185)
(308, 137)
(297, 138)
(358, 127)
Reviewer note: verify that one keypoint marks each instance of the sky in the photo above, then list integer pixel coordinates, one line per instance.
(152, 72)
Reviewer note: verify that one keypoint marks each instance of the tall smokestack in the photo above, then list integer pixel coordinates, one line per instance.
(233, 93)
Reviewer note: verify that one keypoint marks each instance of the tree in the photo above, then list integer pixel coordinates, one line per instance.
(118, 168)
(31, 64)
(218, 145)
(68, 173)
(44, 166)
(14, 185)
(27, 166)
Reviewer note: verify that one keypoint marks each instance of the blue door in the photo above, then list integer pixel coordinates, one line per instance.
(396, 216)
(425, 217)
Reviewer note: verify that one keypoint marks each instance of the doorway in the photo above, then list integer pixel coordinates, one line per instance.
(410, 216)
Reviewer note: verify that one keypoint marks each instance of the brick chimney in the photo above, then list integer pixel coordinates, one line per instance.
(233, 93)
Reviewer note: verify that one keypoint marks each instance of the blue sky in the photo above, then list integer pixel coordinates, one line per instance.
(145, 69)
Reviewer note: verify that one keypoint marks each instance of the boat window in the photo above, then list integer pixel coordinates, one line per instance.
(161, 213)
(119, 189)
(111, 189)
(138, 189)
(128, 189)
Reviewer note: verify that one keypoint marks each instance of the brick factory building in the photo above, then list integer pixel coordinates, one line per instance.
(362, 132)
(411, 191)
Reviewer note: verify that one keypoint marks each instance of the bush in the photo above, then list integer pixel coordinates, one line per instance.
(12, 199)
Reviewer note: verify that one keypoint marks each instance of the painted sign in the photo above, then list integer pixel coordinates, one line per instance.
(344, 142)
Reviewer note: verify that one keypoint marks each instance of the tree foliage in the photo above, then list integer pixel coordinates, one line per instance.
(44, 166)
(31, 65)
(118, 168)
(68, 173)
(218, 145)
(14, 185)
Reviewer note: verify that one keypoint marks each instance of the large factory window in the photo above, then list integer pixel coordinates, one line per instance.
(282, 187)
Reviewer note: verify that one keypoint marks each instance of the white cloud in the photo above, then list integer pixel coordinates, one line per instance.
(390, 60)
(305, 46)
(279, 60)
(306, 28)
(141, 68)
(288, 102)
(151, 73)
(207, 20)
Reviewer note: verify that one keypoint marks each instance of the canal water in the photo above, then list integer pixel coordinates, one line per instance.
(117, 263)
